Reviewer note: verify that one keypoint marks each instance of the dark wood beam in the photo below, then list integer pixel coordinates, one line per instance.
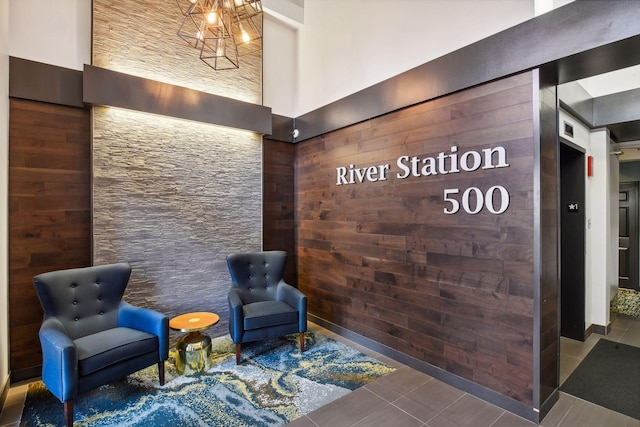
(106, 87)
(36, 81)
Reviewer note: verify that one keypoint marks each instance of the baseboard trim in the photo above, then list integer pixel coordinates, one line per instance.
(598, 329)
(495, 398)
(26, 374)
(5, 391)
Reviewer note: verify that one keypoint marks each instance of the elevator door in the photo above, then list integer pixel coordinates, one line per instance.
(572, 242)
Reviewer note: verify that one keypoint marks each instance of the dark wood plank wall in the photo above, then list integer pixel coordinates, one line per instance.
(49, 212)
(549, 297)
(383, 260)
(278, 228)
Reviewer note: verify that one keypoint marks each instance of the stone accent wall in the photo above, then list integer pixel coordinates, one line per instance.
(172, 197)
(140, 38)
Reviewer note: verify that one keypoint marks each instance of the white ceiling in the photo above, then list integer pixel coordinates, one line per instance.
(613, 82)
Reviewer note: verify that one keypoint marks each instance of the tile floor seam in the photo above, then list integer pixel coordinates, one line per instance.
(448, 406)
(312, 422)
(377, 395)
(566, 414)
(362, 419)
(417, 387)
(497, 419)
(400, 395)
(411, 415)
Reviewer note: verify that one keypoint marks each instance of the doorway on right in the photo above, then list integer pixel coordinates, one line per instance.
(628, 236)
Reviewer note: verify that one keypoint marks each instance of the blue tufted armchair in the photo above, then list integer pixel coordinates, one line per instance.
(90, 336)
(261, 304)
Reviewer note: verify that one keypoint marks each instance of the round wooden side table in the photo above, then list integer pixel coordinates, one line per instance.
(193, 350)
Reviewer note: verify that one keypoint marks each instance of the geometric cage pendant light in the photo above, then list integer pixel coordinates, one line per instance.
(222, 30)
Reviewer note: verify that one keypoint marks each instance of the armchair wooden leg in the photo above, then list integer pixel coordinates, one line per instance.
(68, 413)
(302, 342)
(238, 345)
(161, 372)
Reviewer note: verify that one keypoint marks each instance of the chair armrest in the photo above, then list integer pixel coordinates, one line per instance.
(295, 299)
(236, 315)
(59, 360)
(147, 320)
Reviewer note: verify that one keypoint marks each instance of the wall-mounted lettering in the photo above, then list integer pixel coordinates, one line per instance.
(444, 163)
(473, 200)
(353, 174)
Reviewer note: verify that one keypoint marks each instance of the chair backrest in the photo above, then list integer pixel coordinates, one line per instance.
(257, 274)
(84, 300)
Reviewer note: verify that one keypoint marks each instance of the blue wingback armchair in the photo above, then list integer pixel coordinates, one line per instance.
(261, 304)
(90, 336)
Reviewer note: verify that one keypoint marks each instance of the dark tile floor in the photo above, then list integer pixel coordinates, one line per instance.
(409, 398)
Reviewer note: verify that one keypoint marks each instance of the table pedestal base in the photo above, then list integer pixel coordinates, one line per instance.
(193, 353)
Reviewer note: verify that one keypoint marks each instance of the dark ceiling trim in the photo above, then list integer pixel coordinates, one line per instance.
(282, 128)
(580, 39)
(43, 82)
(111, 88)
(620, 112)
(616, 108)
(575, 99)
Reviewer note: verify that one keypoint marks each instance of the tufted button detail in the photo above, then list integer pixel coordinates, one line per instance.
(73, 285)
(76, 318)
(250, 288)
(101, 313)
(100, 298)
(75, 303)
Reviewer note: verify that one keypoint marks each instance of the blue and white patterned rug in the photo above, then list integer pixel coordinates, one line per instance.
(273, 386)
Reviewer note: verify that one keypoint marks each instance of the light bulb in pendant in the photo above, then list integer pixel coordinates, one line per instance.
(244, 34)
(212, 17)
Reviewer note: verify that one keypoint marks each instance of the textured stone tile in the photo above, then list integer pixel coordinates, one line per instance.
(174, 198)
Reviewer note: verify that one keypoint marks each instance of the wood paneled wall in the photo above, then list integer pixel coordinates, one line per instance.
(549, 228)
(49, 212)
(382, 259)
(278, 228)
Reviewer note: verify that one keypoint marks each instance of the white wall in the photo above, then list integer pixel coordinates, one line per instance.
(4, 179)
(56, 32)
(343, 46)
(603, 263)
(280, 53)
(348, 45)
